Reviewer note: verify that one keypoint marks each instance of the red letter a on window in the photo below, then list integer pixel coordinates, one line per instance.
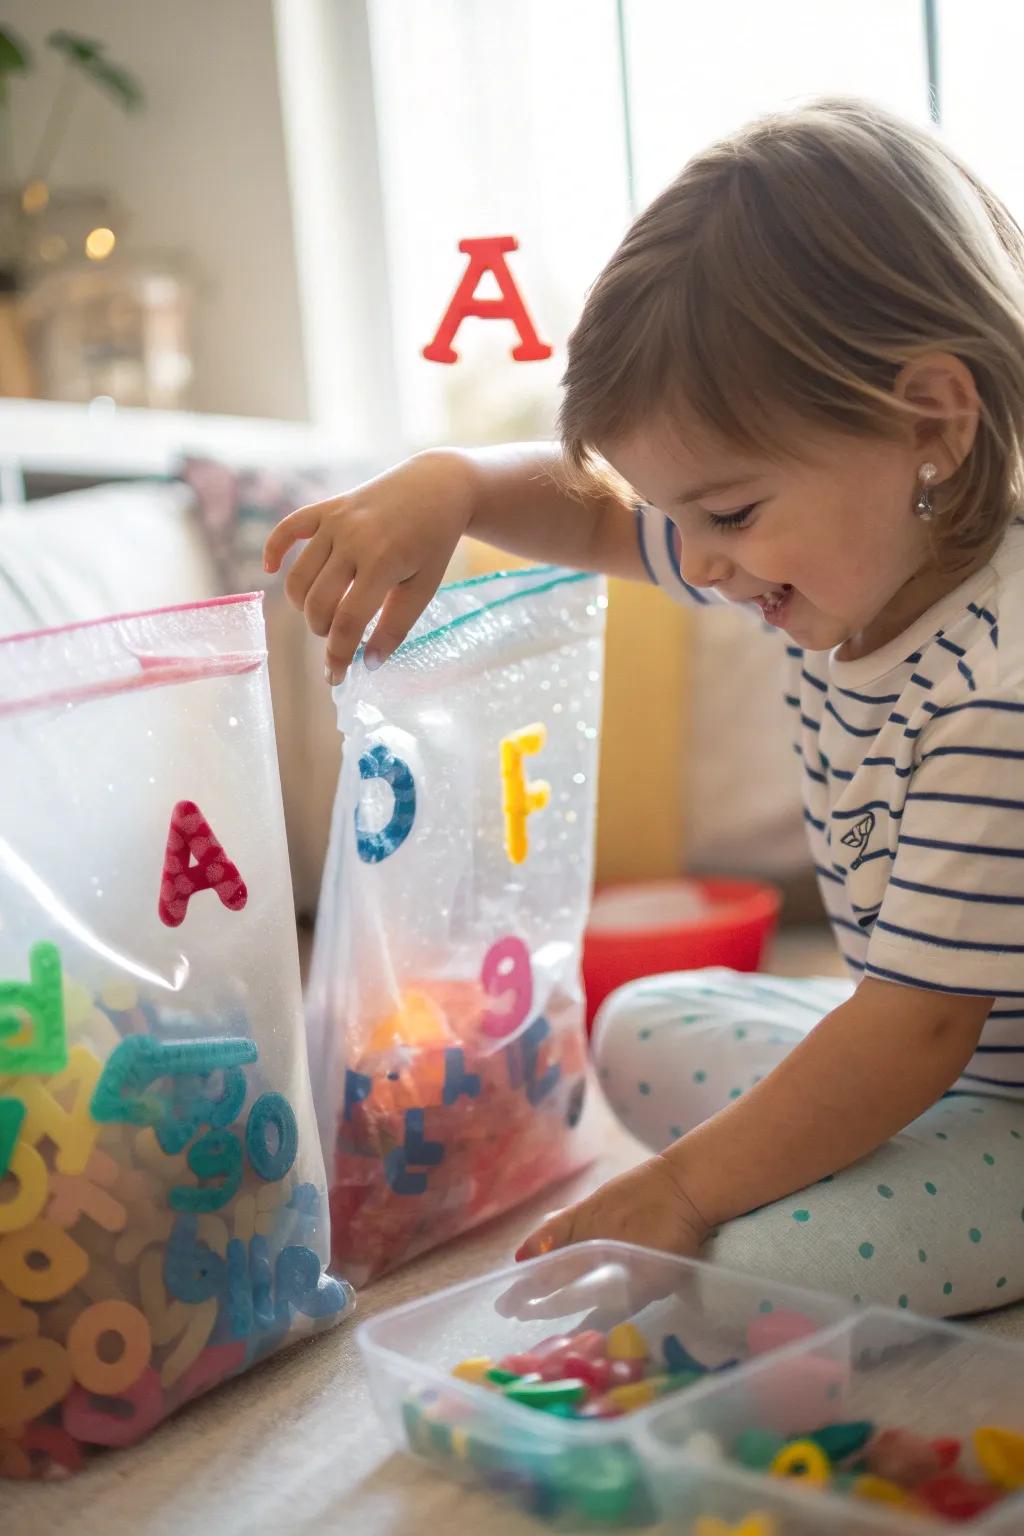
(190, 838)
(487, 255)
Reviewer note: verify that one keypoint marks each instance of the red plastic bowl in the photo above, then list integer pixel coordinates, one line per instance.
(647, 928)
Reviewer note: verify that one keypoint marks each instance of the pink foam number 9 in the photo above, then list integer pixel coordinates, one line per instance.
(507, 978)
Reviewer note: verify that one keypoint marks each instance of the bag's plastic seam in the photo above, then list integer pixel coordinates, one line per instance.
(499, 602)
(145, 613)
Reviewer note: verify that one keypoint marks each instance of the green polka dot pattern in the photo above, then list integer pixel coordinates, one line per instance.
(931, 1222)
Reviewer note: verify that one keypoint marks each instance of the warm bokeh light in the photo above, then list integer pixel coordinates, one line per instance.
(35, 197)
(53, 248)
(99, 243)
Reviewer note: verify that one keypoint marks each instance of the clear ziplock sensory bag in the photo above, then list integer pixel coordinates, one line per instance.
(445, 1010)
(163, 1210)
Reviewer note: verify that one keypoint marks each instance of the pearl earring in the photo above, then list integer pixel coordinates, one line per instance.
(923, 505)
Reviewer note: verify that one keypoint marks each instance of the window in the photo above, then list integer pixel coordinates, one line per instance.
(496, 117)
(981, 53)
(699, 72)
(548, 120)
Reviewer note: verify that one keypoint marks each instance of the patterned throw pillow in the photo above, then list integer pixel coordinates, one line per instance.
(238, 507)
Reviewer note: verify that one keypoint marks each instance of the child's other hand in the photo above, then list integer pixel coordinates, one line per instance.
(647, 1205)
(385, 545)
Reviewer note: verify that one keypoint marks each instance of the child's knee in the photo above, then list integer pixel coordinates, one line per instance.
(646, 1062)
(628, 1017)
(673, 1013)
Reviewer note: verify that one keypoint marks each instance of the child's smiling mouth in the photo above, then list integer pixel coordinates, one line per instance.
(774, 604)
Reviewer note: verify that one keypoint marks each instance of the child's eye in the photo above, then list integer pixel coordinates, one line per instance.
(732, 519)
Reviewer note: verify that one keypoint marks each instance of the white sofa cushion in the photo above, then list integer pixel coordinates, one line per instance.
(109, 549)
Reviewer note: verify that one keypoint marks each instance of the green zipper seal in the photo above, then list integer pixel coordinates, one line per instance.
(499, 602)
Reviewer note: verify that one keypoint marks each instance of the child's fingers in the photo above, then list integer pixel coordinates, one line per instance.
(307, 568)
(523, 1298)
(555, 1231)
(402, 607)
(351, 617)
(531, 1301)
(328, 589)
(300, 524)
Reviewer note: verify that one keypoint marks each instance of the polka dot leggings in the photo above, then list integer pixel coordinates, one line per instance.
(933, 1220)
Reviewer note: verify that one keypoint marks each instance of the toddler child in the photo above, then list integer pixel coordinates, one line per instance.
(798, 385)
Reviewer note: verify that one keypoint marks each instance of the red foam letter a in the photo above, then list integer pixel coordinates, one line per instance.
(190, 838)
(487, 255)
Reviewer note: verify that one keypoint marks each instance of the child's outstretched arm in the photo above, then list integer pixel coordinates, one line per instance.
(869, 1068)
(386, 544)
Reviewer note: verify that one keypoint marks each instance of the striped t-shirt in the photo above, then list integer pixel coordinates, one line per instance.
(912, 761)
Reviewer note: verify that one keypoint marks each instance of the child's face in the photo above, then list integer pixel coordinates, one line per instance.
(831, 550)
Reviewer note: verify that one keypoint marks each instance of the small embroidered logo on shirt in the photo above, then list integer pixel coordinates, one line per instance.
(859, 836)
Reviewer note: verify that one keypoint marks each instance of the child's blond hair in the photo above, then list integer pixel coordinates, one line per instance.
(786, 276)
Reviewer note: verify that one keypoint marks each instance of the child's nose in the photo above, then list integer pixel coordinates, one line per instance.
(701, 564)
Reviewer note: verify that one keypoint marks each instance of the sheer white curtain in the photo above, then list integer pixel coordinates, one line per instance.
(982, 49)
(697, 72)
(496, 117)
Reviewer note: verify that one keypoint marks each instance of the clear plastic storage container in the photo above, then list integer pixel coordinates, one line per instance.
(571, 1470)
(781, 1359)
(935, 1379)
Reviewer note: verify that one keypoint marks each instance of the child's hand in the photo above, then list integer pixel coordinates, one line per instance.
(384, 545)
(647, 1205)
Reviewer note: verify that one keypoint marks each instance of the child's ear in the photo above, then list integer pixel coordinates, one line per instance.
(943, 394)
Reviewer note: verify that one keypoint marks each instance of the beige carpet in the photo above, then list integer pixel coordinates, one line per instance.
(294, 1447)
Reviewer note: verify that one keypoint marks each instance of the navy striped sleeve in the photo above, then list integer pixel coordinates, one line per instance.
(658, 540)
(953, 913)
